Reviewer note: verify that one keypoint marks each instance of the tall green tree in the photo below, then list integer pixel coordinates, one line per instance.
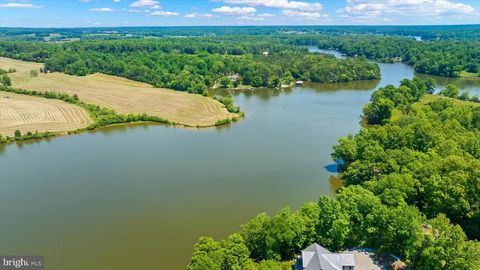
(207, 254)
(450, 91)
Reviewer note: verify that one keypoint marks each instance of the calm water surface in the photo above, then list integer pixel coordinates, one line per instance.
(138, 197)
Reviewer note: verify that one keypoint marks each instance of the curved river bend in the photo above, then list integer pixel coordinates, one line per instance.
(138, 197)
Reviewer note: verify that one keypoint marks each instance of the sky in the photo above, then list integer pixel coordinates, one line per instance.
(109, 13)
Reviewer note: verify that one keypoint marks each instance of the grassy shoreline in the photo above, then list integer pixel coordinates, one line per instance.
(102, 117)
(469, 75)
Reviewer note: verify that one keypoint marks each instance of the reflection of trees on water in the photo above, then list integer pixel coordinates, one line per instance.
(268, 93)
(124, 128)
(470, 84)
(353, 85)
(22, 144)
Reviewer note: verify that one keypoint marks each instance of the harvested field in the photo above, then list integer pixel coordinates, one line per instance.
(27, 113)
(122, 95)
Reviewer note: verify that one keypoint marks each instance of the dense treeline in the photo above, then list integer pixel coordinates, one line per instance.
(442, 58)
(429, 158)
(408, 183)
(357, 217)
(165, 58)
(426, 32)
(193, 65)
(385, 99)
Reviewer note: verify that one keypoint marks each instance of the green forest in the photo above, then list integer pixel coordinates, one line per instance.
(194, 64)
(410, 189)
(426, 32)
(194, 59)
(447, 58)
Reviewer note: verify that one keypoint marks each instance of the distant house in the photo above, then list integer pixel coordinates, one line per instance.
(234, 77)
(299, 83)
(316, 257)
(265, 53)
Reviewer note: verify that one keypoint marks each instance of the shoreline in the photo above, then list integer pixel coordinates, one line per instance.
(48, 134)
(36, 135)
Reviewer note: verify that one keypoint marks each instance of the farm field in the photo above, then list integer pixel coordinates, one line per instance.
(122, 95)
(30, 114)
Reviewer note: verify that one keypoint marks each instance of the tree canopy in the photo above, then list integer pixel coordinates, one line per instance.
(411, 189)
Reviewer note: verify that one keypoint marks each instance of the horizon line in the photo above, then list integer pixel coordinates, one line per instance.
(228, 25)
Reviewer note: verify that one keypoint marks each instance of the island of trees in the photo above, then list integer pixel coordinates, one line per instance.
(411, 188)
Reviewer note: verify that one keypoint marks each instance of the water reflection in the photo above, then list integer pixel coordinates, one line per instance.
(353, 85)
(268, 93)
(465, 84)
(336, 54)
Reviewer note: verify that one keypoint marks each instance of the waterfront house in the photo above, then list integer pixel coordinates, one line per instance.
(316, 257)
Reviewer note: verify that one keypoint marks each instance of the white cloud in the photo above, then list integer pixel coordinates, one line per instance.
(101, 9)
(302, 14)
(18, 5)
(266, 15)
(234, 10)
(370, 10)
(164, 13)
(283, 4)
(198, 15)
(152, 4)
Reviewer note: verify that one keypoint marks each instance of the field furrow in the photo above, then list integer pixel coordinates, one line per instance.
(30, 114)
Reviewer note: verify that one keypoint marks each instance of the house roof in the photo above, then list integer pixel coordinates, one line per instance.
(316, 257)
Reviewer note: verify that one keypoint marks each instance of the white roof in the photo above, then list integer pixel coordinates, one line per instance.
(316, 257)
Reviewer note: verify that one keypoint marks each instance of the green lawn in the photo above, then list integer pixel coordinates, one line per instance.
(431, 98)
(465, 74)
